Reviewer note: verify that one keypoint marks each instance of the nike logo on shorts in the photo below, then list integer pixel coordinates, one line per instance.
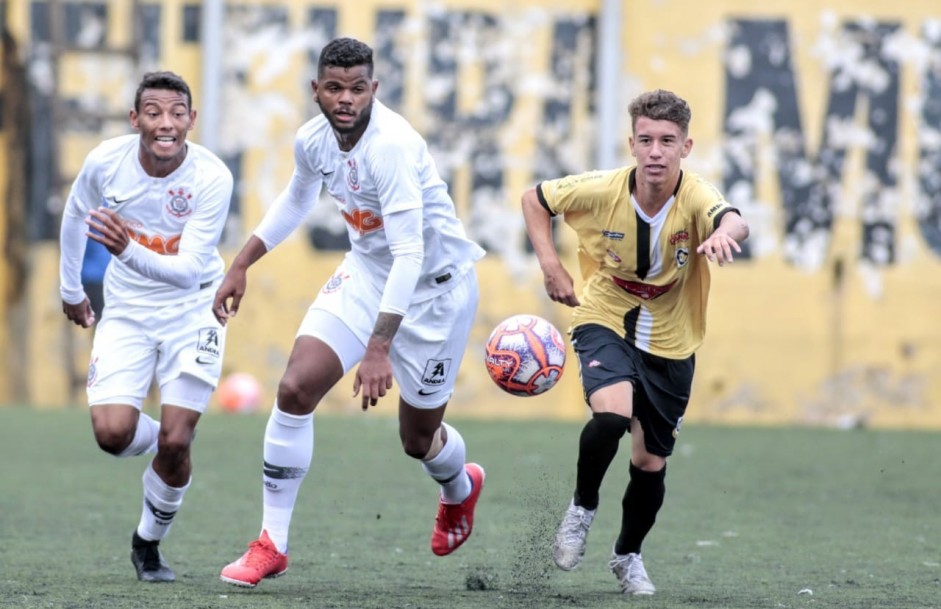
(423, 392)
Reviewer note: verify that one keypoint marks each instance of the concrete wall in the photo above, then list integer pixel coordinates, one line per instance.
(821, 122)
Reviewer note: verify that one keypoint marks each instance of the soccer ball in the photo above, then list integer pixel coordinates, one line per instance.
(239, 392)
(525, 355)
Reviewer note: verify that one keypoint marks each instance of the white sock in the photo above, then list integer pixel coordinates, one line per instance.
(289, 449)
(145, 438)
(161, 503)
(447, 468)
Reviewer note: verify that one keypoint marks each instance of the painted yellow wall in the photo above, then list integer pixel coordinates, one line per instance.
(784, 345)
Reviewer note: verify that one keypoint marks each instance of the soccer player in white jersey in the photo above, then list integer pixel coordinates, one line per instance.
(401, 304)
(646, 233)
(158, 203)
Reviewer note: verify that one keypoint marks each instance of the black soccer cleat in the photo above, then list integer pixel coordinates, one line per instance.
(150, 565)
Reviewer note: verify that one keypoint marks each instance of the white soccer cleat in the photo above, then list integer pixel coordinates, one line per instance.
(630, 571)
(572, 536)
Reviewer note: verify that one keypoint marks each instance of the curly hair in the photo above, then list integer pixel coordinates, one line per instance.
(660, 105)
(345, 53)
(167, 81)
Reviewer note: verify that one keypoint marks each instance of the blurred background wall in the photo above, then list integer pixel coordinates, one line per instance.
(821, 121)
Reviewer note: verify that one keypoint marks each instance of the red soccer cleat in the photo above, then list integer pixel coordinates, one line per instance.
(454, 522)
(261, 561)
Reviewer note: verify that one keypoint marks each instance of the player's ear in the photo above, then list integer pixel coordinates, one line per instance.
(687, 147)
(192, 120)
(132, 117)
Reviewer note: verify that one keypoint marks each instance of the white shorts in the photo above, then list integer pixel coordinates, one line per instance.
(428, 347)
(135, 345)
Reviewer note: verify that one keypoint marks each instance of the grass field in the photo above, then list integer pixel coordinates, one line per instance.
(754, 518)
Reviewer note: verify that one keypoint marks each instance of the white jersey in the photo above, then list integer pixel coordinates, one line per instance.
(389, 170)
(174, 222)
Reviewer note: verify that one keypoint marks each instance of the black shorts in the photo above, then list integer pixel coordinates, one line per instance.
(661, 386)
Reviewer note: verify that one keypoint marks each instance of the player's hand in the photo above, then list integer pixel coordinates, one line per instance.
(374, 375)
(719, 247)
(229, 295)
(560, 287)
(80, 314)
(108, 229)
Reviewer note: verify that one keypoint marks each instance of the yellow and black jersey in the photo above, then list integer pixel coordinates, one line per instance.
(643, 278)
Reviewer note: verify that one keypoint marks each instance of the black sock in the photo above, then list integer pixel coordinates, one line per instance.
(642, 501)
(597, 447)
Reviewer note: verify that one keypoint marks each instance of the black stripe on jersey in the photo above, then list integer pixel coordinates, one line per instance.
(718, 218)
(630, 324)
(542, 199)
(643, 247)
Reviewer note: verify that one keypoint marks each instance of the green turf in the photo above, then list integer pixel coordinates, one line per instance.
(752, 518)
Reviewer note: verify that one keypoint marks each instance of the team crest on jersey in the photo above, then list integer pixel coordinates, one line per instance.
(92, 372)
(179, 204)
(436, 372)
(335, 283)
(352, 175)
(682, 256)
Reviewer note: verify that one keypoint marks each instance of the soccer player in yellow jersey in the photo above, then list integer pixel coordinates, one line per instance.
(646, 234)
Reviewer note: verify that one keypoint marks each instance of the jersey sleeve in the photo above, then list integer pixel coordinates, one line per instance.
(291, 207)
(709, 206)
(84, 195)
(578, 192)
(198, 241)
(394, 168)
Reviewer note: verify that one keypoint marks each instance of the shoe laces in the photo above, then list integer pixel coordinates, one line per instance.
(576, 523)
(259, 554)
(629, 567)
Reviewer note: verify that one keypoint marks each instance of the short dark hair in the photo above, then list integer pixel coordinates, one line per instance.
(345, 53)
(167, 81)
(661, 105)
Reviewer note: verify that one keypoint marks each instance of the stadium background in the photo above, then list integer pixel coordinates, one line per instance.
(821, 121)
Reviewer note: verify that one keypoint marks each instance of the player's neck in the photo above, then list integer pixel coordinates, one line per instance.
(651, 197)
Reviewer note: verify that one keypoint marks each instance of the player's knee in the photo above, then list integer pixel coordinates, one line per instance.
(418, 446)
(294, 398)
(113, 440)
(174, 445)
(612, 424)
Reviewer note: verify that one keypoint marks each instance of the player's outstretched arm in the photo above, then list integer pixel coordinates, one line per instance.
(723, 241)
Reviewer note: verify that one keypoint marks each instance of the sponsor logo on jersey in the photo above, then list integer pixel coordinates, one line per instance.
(166, 246)
(352, 175)
(179, 204)
(362, 220)
(680, 235)
(609, 234)
(335, 283)
(613, 255)
(436, 372)
(646, 291)
(682, 256)
(208, 343)
(712, 210)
